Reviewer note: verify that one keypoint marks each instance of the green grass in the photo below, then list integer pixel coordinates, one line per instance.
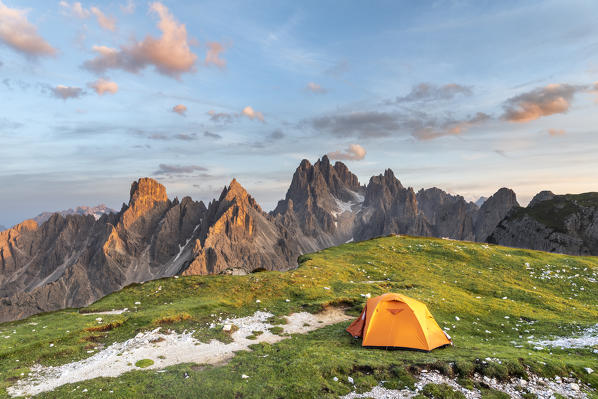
(143, 363)
(455, 279)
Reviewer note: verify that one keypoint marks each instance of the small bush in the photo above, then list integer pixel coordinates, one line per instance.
(277, 320)
(441, 391)
(464, 368)
(144, 363)
(276, 330)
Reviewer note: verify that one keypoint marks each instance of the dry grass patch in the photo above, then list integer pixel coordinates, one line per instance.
(105, 327)
(172, 319)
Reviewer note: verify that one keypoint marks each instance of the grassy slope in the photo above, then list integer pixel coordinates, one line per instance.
(447, 275)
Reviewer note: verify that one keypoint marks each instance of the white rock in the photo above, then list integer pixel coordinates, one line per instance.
(457, 318)
(287, 300)
(574, 386)
(257, 301)
(227, 327)
(350, 379)
(589, 370)
(137, 303)
(335, 379)
(244, 376)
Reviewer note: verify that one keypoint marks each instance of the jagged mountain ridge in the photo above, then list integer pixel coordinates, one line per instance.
(73, 260)
(95, 211)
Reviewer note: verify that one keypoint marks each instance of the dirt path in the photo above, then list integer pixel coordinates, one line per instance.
(169, 349)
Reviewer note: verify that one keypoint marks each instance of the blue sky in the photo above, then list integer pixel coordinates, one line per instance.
(468, 96)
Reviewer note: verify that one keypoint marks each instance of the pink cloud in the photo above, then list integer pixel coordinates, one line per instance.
(179, 109)
(106, 22)
(544, 101)
(354, 152)
(102, 86)
(556, 132)
(251, 114)
(20, 34)
(315, 88)
(213, 55)
(169, 54)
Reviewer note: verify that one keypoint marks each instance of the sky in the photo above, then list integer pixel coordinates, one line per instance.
(468, 96)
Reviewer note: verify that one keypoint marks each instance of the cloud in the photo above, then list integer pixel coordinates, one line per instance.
(251, 114)
(276, 135)
(375, 124)
(213, 55)
(360, 123)
(76, 9)
(166, 137)
(165, 169)
(430, 129)
(338, 68)
(594, 90)
(169, 54)
(212, 135)
(315, 88)
(223, 117)
(106, 22)
(544, 101)
(556, 132)
(66, 92)
(128, 8)
(19, 34)
(102, 86)
(227, 117)
(426, 92)
(179, 109)
(354, 152)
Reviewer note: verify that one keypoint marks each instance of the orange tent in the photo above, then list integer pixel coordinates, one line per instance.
(399, 321)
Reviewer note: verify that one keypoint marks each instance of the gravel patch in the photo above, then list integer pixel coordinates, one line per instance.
(588, 338)
(543, 388)
(166, 349)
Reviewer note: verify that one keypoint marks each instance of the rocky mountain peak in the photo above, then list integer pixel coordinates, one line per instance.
(382, 187)
(493, 210)
(541, 196)
(147, 190)
(146, 196)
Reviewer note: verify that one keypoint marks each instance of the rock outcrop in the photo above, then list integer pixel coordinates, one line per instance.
(492, 211)
(448, 215)
(320, 204)
(389, 208)
(554, 223)
(238, 235)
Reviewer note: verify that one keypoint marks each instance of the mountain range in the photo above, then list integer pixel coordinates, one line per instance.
(72, 259)
(95, 211)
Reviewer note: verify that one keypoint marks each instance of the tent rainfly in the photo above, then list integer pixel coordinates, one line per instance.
(395, 320)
